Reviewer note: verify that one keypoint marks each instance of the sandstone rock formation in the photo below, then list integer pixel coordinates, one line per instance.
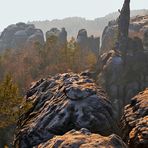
(6, 136)
(123, 26)
(62, 103)
(122, 80)
(20, 35)
(123, 69)
(61, 35)
(84, 139)
(135, 121)
(109, 37)
(88, 43)
(138, 28)
(145, 40)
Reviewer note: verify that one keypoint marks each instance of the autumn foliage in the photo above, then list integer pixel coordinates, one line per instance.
(38, 61)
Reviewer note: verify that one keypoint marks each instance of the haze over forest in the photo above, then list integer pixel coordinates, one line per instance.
(74, 24)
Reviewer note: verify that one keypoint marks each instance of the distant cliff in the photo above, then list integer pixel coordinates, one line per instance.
(17, 36)
(74, 24)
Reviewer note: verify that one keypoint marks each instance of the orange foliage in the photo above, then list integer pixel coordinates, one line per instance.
(38, 61)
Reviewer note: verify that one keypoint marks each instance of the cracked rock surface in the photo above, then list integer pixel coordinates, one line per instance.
(84, 139)
(62, 103)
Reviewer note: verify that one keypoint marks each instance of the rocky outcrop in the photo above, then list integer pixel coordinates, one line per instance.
(109, 37)
(123, 26)
(84, 139)
(138, 28)
(135, 121)
(122, 80)
(61, 35)
(88, 43)
(123, 70)
(145, 40)
(62, 103)
(20, 35)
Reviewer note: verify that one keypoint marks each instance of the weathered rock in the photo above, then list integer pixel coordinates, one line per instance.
(135, 121)
(37, 36)
(84, 139)
(122, 80)
(122, 71)
(109, 37)
(137, 28)
(61, 35)
(145, 40)
(123, 26)
(134, 44)
(139, 134)
(62, 103)
(19, 35)
(88, 43)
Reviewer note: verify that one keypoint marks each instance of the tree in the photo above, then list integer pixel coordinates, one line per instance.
(9, 101)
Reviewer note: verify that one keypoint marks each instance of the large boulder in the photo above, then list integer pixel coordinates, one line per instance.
(19, 35)
(135, 121)
(84, 139)
(62, 103)
(88, 43)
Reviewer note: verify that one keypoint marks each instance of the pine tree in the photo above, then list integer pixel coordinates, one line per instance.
(9, 101)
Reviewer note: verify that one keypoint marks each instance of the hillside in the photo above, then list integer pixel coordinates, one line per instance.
(74, 24)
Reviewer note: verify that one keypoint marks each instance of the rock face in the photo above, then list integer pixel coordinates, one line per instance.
(109, 37)
(122, 80)
(61, 35)
(138, 28)
(145, 40)
(20, 35)
(62, 103)
(123, 70)
(84, 139)
(135, 121)
(123, 26)
(88, 43)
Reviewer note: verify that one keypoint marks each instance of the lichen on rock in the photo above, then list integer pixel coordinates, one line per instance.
(84, 139)
(62, 103)
(135, 121)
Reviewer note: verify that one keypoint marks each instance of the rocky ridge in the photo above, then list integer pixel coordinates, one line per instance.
(137, 28)
(19, 35)
(83, 139)
(73, 101)
(73, 24)
(62, 103)
(88, 43)
(135, 121)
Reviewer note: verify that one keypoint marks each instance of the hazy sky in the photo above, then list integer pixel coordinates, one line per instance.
(13, 11)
